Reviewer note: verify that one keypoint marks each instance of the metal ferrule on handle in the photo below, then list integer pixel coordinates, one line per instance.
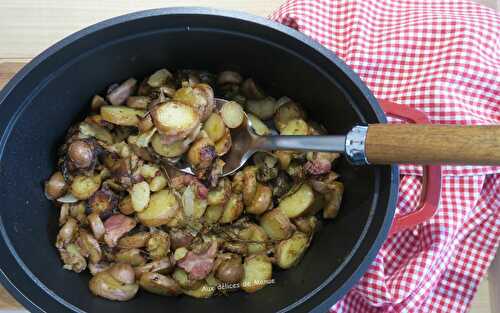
(355, 143)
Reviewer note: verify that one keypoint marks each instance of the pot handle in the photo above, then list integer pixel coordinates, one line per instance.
(431, 186)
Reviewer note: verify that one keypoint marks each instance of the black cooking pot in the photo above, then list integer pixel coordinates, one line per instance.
(53, 91)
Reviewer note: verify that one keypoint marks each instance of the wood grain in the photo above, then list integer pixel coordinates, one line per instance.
(433, 144)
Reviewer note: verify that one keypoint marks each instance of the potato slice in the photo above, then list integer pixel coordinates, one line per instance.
(258, 126)
(289, 252)
(297, 203)
(307, 224)
(162, 208)
(172, 150)
(254, 233)
(296, 127)
(333, 200)
(258, 273)
(140, 195)
(174, 118)
(287, 112)
(232, 114)
(159, 284)
(263, 109)
(224, 144)
(121, 115)
(232, 209)
(214, 127)
(261, 201)
(276, 225)
(249, 184)
(83, 187)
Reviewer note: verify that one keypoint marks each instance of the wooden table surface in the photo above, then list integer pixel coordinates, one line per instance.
(27, 27)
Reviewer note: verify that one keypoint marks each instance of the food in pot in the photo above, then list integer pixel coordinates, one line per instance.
(137, 223)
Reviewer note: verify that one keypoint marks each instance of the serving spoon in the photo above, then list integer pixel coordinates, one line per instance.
(373, 144)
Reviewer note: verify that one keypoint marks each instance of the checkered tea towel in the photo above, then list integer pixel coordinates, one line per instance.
(440, 57)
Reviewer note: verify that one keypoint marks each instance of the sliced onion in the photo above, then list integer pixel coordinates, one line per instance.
(67, 198)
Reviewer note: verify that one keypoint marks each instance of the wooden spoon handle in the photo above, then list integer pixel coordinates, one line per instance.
(433, 144)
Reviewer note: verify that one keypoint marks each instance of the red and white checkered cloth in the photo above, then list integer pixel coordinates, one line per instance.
(440, 57)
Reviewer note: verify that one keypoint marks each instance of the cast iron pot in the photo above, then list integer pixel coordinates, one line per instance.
(53, 91)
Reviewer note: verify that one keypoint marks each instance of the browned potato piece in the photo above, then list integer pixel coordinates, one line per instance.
(158, 183)
(289, 252)
(67, 233)
(174, 118)
(224, 144)
(137, 240)
(307, 224)
(121, 115)
(118, 95)
(56, 186)
(90, 244)
(102, 201)
(232, 114)
(229, 77)
(106, 286)
(258, 272)
(297, 203)
(162, 266)
(162, 207)
(96, 225)
(230, 270)
(97, 102)
(159, 284)
(295, 127)
(236, 247)
(263, 109)
(199, 96)
(261, 201)
(81, 154)
(201, 153)
(96, 131)
(172, 150)
(130, 256)
(220, 194)
(232, 209)
(284, 158)
(333, 200)
(251, 90)
(138, 102)
(125, 206)
(123, 273)
(213, 213)
(286, 113)
(83, 187)
(249, 184)
(214, 127)
(145, 123)
(180, 238)
(159, 78)
(158, 245)
(254, 233)
(276, 225)
(140, 195)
